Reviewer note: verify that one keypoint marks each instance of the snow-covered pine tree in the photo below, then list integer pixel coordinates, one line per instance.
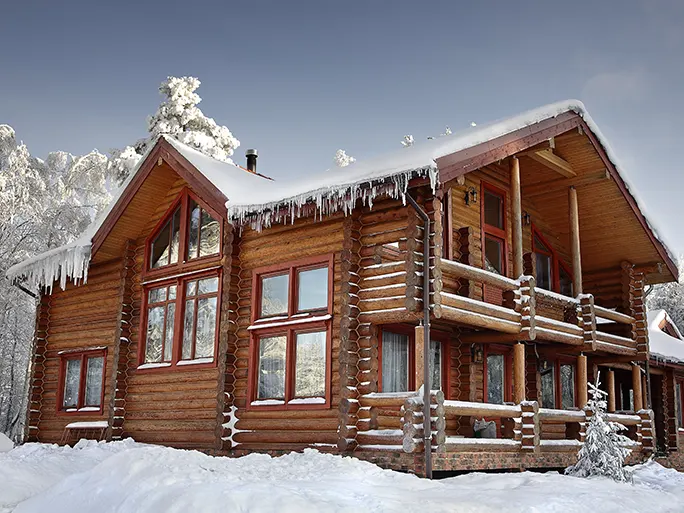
(342, 159)
(604, 451)
(670, 297)
(179, 116)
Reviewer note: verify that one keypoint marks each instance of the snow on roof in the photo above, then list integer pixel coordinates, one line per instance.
(663, 345)
(259, 203)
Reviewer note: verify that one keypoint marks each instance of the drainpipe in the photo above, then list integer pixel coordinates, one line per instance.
(426, 336)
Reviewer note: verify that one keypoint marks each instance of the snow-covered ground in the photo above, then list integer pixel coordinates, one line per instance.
(132, 477)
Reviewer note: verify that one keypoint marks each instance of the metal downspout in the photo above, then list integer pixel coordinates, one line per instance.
(427, 416)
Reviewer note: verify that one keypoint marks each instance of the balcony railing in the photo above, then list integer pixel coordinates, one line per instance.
(395, 422)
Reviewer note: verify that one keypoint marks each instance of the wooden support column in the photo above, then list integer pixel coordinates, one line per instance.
(636, 387)
(575, 242)
(519, 372)
(516, 211)
(610, 386)
(420, 360)
(582, 378)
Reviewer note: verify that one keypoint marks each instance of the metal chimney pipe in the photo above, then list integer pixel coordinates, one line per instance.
(251, 160)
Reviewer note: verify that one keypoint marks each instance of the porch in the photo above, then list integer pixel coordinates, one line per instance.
(391, 430)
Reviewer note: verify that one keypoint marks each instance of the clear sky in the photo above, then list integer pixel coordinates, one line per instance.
(299, 79)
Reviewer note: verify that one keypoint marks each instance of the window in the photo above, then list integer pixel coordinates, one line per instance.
(181, 321)
(189, 231)
(552, 273)
(291, 334)
(81, 381)
(497, 377)
(181, 292)
(494, 229)
(678, 404)
(397, 354)
(557, 384)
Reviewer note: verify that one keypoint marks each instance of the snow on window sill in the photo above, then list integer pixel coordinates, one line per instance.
(308, 400)
(88, 425)
(82, 350)
(153, 365)
(267, 402)
(196, 361)
(312, 318)
(84, 409)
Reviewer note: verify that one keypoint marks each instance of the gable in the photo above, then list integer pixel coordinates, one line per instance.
(160, 178)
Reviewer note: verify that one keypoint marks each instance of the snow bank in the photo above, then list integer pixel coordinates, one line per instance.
(126, 476)
(6, 444)
(663, 345)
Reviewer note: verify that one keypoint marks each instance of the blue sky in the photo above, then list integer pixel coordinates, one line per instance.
(300, 79)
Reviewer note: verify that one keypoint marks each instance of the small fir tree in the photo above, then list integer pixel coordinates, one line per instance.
(604, 451)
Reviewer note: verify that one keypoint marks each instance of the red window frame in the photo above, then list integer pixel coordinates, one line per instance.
(507, 353)
(184, 264)
(294, 322)
(82, 355)
(179, 316)
(492, 294)
(556, 261)
(680, 425)
(403, 329)
(556, 362)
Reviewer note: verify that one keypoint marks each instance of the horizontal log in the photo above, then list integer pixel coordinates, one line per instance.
(476, 319)
(455, 444)
(549, 414)
(292, 437)
(468, 409)
(479, 275)
(612, 315)
(480, 307)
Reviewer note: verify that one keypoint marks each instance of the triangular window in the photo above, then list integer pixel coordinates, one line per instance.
(189, 231)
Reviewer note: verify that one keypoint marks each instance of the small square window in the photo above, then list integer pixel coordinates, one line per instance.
(82, 380)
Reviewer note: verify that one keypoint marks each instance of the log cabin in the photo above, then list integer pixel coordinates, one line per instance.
(386, 310)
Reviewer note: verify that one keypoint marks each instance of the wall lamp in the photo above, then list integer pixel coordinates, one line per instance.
(470, 195)
(526, 218)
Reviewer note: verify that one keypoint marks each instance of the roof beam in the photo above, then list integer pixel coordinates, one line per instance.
(549, 159)
(545, 187)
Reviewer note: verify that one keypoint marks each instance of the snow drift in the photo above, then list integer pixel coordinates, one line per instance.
(127, 476)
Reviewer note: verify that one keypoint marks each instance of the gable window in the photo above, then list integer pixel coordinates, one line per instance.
(189, 231)
(181, 321)
(397, 354)
(552, 273)
(557, 384)
(181, 286)
(497, 375)
(81, 381)
(290, 329)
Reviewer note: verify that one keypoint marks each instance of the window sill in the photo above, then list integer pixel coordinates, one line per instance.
(308, 403)
(85, 411)
(180, 366)
(270, 323)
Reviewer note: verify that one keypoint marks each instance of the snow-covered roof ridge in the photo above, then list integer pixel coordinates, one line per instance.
(662, 345)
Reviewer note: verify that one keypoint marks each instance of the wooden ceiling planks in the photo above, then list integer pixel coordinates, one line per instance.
(610, 231)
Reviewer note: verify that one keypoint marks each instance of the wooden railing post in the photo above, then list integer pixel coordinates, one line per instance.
(636, 387)
(582, 379)
(646, 432)
(412, 422)
(527, 306)
(530, 426)
(519, 372)
(610, 387)
(588, 320)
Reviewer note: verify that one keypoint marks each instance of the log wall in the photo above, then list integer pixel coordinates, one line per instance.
(72, 319)
(273, 430)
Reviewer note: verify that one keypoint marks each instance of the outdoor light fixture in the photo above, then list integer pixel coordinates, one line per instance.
(477, 353)
(470, 195)
(526, 218)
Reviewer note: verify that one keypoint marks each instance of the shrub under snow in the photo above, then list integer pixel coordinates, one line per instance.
(604, 451)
